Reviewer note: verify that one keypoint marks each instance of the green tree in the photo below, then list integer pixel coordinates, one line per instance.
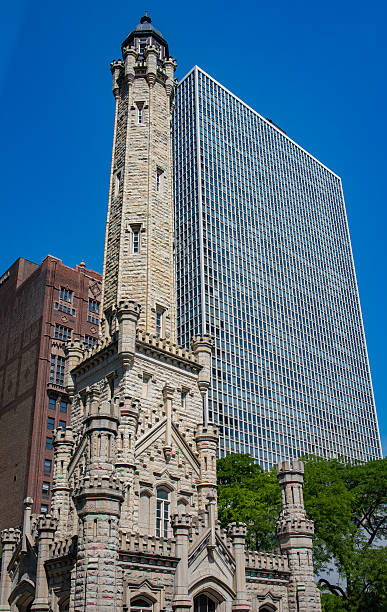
(248, 494)
(347, 503)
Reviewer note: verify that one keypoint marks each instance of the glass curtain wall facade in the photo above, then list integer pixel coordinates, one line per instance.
(264, 265)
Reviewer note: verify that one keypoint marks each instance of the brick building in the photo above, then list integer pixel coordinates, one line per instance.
(41, 306)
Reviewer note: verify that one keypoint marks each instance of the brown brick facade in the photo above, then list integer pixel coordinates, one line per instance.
(30, 309)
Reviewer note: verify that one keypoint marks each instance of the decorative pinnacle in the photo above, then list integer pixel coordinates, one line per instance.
(146, 18)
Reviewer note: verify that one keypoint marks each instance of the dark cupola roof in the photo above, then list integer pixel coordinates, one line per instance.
(145, 28)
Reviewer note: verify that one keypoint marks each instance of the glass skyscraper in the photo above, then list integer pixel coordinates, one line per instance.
(264, 265)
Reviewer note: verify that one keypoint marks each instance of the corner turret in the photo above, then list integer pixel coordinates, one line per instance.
(295, 534)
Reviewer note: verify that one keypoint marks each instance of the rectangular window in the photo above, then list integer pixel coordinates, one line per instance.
(90, 341)
(93, 306)
(140, 117)
(160, 321)
(43, 509)
(136, 241)
(51, 401)
(57, 369)
(159, 174)
(146, 381)
(45, 489)
(63, 406)
(50, 423)
(49, 443)
(65, 294)
(62, 425)
(62, 333)
(117, 183)
(47, 466)
(63, 308)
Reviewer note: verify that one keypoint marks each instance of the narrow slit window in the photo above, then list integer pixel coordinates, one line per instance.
(159, 174)
(162, 513)
(140, 115)
(117, 183)
(160, 312)
(136, 241)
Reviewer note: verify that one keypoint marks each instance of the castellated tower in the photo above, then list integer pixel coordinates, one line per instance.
(139, 235)
(134, 512)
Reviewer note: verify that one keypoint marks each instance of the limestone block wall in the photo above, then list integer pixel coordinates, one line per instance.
(141, 203)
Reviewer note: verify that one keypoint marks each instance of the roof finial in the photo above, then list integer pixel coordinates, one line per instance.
(146, 18)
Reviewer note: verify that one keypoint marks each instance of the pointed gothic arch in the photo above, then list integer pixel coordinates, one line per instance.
(22, 597)
(268, 607)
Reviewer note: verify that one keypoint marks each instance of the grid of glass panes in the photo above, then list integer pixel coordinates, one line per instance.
(273, 282)
(187, 215)
(162, 513)
(57, 369)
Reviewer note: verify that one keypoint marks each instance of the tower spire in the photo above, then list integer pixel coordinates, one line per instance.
(139, 258)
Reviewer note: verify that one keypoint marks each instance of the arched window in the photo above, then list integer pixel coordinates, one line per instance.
(162, 513)
(139, 604)
(202, 603)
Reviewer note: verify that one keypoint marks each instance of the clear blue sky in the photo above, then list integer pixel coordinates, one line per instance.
(318, 70)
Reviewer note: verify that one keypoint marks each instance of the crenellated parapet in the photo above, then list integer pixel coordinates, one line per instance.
(149, 343)
(99, 486)
(296, 526)
(10, 538)
(117, 69)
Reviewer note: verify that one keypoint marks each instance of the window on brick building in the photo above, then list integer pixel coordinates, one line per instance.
(90, 341)
(63, 308)
(49, 443)
(51, 400)
(62, 425)
(93, 305)
(45, 489)
(62, 332)
(47, 466)
(43, 509)
(66, 295)
(50, 423)
(57, 369)
(63, 406)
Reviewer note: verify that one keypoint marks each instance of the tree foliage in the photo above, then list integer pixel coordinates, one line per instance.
(347, 503)
(248, 494)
